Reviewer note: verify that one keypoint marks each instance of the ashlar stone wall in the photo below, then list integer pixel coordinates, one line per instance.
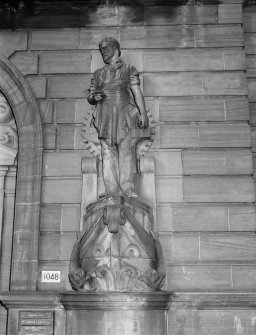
(193, 72)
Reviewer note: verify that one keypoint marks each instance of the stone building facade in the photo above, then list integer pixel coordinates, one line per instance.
(197, 64)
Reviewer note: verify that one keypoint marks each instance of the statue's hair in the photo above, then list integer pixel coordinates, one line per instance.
(112, 41)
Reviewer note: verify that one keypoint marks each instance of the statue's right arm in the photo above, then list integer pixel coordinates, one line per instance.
(93, 88)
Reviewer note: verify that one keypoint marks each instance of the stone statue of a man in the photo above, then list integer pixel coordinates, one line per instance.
(110, 92)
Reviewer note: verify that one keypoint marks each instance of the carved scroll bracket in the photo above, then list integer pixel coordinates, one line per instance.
(118, 252)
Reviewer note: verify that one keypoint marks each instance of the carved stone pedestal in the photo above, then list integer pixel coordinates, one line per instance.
(81, 313)
(116, 313)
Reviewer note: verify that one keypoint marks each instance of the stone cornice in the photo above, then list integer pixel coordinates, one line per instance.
(115, 300)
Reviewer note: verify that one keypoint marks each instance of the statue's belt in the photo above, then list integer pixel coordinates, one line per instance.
(115, 95)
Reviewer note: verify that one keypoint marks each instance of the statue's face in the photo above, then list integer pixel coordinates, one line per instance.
(107, 51)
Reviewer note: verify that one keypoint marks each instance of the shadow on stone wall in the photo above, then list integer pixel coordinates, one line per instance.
(66, 13)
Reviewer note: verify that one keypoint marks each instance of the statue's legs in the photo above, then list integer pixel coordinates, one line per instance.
(126, 165)
(118, 167)
(110, 168)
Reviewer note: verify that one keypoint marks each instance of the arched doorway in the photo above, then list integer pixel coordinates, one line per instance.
(18, 94)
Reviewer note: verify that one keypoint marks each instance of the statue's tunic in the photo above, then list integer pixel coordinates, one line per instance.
(112, 115)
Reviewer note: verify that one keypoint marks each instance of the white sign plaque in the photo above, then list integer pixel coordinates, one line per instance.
(50, 277)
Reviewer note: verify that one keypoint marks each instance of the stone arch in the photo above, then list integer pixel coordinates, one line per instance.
(28, 186)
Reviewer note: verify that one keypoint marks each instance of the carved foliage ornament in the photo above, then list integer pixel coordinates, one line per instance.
(8, 130)
(116, 253)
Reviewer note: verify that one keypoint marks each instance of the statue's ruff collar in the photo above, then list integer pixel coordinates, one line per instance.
(117, 64)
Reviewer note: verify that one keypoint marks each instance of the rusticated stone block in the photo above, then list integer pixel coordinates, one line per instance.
(66, 137)
(242, 218)
(72, 110)
(27, 212)
(250, 43)
(49, 132)
(169, 190)
(252, 89)
(157, 37)
(50, 218)
(70, 137)
(63, 163)
(28, 164)
(66, 62)
(160, 15)
(249, 22)
(205, 136)
(38, 85)
(24, 241)
(46, 110)
(63, 39)
(164, 218)
(186, 218)
(218, 320)
(168, 163)
(28, 191)
(236, 108)
(70, 217)
(228, 247)
(219, 189)
(63, 267)
(56, 246)
(230, 13)
(218, 36)
(200, 83)
(27, 63)
(251, 65)
(179, 136)
(166, 241)
(105, 15)
(69, 86)
(230, 135)
(243, 277)
(200, 218)
(12, 41)
(57, 191)
(186, 247)
(203, 109)
(60, 217)
(233, 162)
(191, 109)
(199, 277)
(193, 59)
(253, 133)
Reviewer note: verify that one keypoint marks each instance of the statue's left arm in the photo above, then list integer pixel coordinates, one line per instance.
(138, 96)
(140, 102)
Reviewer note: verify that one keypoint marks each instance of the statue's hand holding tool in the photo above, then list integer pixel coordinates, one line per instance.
(143, 121)
(97, 95)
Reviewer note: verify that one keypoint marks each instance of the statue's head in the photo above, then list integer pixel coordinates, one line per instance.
(108, 48)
